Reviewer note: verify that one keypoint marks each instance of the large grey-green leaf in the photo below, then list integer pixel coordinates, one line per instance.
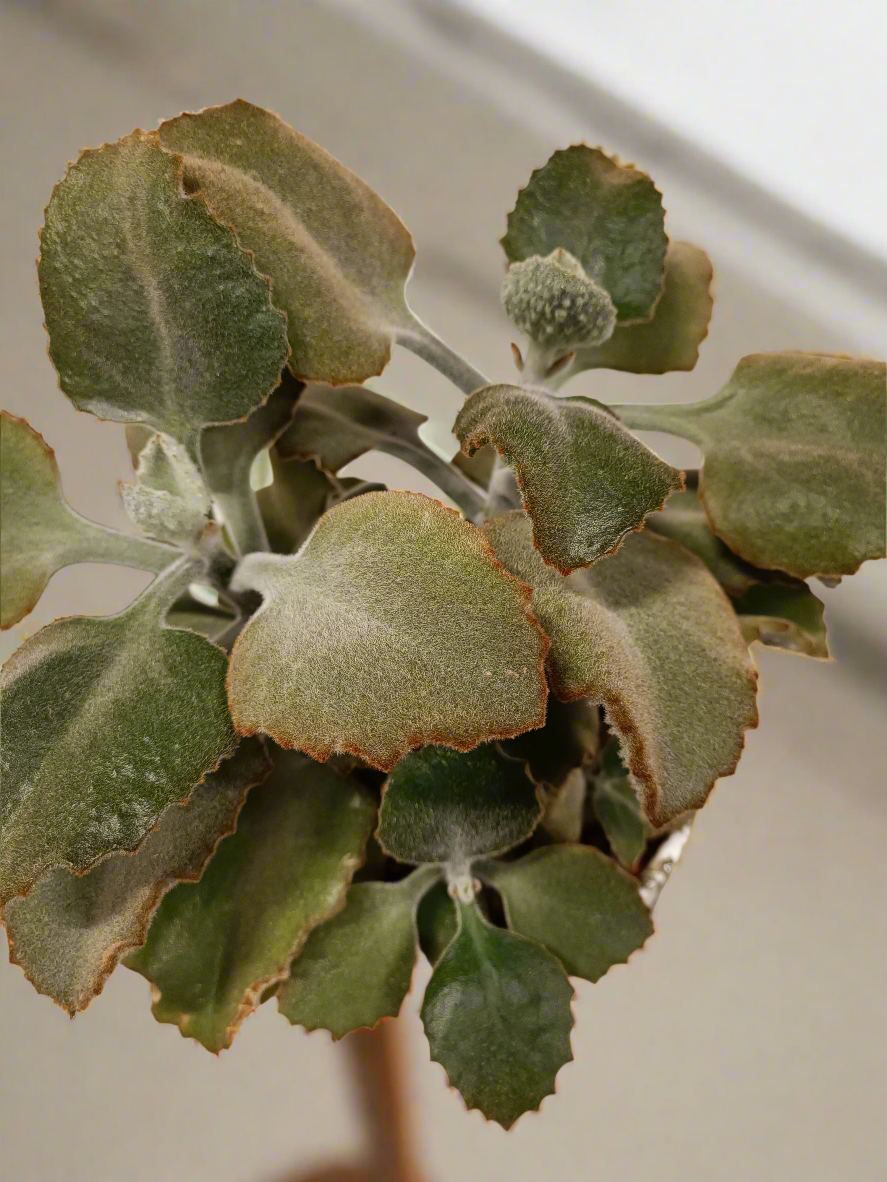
(355, 969)
(42, 533)
(577, 903)
(394, 626)
(441, 805)
(671, 340)
(106, 722)
(72, 930)
(607, 215)
(154, 313)
(651, 635)
(795, 452)
(215, 946)
(498, 1019)
(585, 481)
(337, 255)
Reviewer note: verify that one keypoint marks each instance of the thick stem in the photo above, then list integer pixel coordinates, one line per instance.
(159, 596)
(420, 339)
(470, 498)
(672, 419)
(100, 543)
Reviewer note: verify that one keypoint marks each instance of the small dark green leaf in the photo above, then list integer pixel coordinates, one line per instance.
(607, 215)
(569, 738)
(42, 533)
(784, 617)
(72, 930)
(618, 809)
(498, 1019)
(441, 805)
(337, 255)
(671, 340)
(215, 946)
(577, 903)
(355, 969)
(585, 481)
(154, 313)
(394, 626)
(650, 635)
(795, 452)
(106, 722)
(437, 920)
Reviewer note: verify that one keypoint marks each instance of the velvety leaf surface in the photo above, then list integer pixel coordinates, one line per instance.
(569, 738)
(577, 903)
(356, 968)
(795, 452)
(585, 481)
(437, 921)
(72, 930)
(215, 946)
(394, 626)
(671, 340)
(618, 810)
(154, 313)
(608, 216)
(650, 634)
(106, 722)
(784, 617)
(42, 533)
(441, 805)
(337, 426)
(337, 255)
(498, 1019)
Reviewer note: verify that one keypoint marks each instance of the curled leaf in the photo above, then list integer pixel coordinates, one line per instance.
(787, 617)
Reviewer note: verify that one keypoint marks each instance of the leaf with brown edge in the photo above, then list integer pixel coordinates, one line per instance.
(609, 216)
(154, 312)
(338, 257)
(72, 930)
(497, 1017)
(786, 617)
(440, 805)
(650, 635)
(215, 946)
(106, 723)
(42, 533)
(585, 481)
(671, 339)
(795, 450)
(394, 626)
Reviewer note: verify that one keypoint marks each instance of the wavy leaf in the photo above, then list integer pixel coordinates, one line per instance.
(497, 1017)
(795, 451)
(215, 946)
(575, 902)
(106, 722)
(337, 255)
(650, 635)
(394, 626)
(42, 533)
(585, 481)
(441, 805)
(607, 215)
(72, 930)
(154, 313)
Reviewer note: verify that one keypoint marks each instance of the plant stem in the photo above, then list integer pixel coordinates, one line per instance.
(420, 339)
(240, 515)
(100, 543)
(672, 419)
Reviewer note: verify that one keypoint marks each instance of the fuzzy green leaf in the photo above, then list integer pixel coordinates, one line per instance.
(394, 626)
(42, 533)
(795, 452)
(671, 340)
(337, 255)
(106, 722)
(215, 946)
(441, 805)
(784, 617)
(585, 481)
(71, 931)
(608, 216)
(650, 635)
(618, 809)
(154, 313)
(356, 968)
(569, 738)
(498, 1019)
(575, 902)
(437, 922)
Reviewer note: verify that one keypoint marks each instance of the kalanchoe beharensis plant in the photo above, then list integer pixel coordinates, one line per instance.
(342, 722)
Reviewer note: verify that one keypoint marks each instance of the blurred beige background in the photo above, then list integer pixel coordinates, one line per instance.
(748, 1040)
